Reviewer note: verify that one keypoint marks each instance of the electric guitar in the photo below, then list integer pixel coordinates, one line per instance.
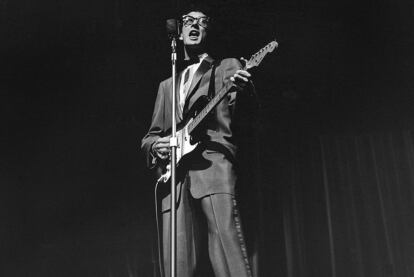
(201, 108)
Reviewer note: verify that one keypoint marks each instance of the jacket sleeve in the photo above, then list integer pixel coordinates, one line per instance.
(241, 100)
(156, 129)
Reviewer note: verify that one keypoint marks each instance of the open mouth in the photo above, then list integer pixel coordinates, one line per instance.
(194, 34)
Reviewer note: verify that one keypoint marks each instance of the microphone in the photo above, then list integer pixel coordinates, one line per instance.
(172, 28)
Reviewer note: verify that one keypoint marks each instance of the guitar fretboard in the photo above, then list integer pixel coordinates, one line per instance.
(213, 103)
(255, 60)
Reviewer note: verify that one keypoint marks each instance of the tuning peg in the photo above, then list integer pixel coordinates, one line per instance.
(244, 61)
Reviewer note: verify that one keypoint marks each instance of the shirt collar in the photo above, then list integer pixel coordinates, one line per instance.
(196, 60)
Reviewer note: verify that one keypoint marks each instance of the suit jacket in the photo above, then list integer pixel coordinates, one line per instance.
(211, 168)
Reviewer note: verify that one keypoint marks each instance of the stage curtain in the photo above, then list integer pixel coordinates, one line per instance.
(347, 206)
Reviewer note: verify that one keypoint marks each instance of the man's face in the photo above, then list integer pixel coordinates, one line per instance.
(192, 33)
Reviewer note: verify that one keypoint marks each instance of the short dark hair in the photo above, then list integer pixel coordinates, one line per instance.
(197, 7)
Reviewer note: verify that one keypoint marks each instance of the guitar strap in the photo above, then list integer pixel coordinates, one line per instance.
(211, 86)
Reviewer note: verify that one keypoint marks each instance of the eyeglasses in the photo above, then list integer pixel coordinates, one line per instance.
(188, 20)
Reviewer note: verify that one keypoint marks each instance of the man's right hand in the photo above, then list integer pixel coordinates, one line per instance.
(161, 148)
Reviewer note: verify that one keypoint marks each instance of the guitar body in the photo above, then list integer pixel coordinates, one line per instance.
(187, 141)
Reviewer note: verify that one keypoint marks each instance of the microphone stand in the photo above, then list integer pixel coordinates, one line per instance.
(173, 146)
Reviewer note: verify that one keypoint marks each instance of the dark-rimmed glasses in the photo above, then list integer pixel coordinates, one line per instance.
(188, 20)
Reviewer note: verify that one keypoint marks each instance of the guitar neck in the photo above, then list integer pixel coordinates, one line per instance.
(211, 105)
(254, 61)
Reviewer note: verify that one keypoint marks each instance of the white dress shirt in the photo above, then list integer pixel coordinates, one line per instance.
(186, 80)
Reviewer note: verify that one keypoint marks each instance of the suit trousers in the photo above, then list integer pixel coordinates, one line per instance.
(212, 221)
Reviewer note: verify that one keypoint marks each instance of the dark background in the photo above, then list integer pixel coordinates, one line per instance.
(78, 80)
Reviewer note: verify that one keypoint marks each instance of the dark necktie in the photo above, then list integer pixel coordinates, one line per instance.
(186, 76)
(191, 61)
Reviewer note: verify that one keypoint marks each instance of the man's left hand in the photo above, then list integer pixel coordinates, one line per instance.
(241, 78)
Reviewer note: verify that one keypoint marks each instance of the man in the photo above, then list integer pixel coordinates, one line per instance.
(206, 186)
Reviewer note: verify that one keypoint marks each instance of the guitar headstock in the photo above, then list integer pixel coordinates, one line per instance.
(257, 58)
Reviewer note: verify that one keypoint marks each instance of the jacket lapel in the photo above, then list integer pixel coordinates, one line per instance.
(202, 69)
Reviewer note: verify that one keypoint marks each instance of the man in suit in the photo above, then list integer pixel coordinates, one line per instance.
(206, 189)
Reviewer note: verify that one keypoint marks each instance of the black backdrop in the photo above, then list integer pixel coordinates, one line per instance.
(78, 81)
